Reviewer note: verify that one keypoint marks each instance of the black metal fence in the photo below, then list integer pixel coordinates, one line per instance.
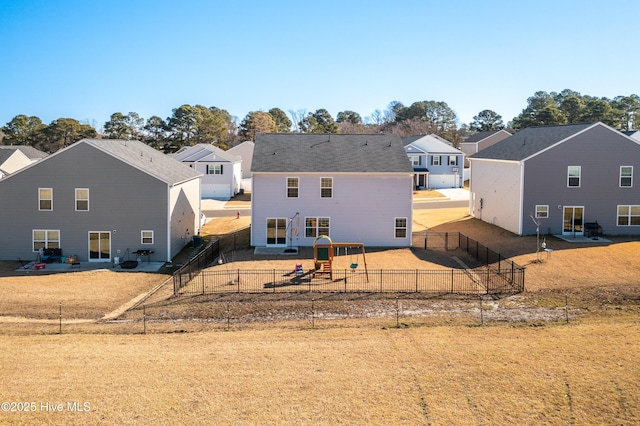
(497, 275)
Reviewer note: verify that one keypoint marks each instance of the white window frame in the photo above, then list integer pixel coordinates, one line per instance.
(569, 176)
(398, 227)
(146, 234)
(435, 160)
(316, 226)
(214, 169)
(291, 187)
(41, 199)
(628, 215)
(324, 188)
(629, 177)
(415, 160)
(47, 241)
(542, 211)
(453, 160)
(81, 199)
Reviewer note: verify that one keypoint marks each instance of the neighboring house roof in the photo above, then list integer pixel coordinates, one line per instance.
(204, 152)
(5, 154)
(433, 144)
(323, 153)
(410, 139)
(31, 152)
(530, 141)
(634, 134)
(480, 136)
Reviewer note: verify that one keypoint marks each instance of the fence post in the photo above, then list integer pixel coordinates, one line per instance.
(238, 280)
(274, 280)
(416, 280)
(452, 279)
(202, 275)
(425, 240)
(380, 280)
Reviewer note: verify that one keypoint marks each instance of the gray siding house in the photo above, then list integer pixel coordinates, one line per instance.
(221, 171)
(436, 163)
(353, 188)
(561, 177)
(96, 199)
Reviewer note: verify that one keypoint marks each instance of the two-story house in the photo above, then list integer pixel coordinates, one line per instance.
(558, 178)
(221, 171)
(481, 140)
(352, 188)
(99, 199)
(436, 163)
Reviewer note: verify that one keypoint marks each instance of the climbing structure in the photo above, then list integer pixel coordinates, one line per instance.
(323, 250)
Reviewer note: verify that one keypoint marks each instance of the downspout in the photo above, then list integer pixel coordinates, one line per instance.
(169, 236)
(521, 206)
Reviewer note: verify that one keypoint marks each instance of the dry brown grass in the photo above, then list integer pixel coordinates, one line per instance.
(585, 373)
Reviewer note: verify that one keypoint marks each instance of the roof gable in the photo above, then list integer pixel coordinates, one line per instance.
(432, 144)
(323, 153)
(480, 136)
(531, 141)
(29, 151)
(144, 158)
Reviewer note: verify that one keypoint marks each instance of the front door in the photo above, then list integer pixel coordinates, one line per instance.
(277, 231)
(573, 221)
(100, 246)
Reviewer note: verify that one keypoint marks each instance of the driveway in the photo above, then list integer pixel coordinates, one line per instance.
(455, 194)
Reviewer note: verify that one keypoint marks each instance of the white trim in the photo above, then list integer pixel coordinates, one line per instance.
(99, 259)
(45, 199)
(142, 236)
(630, 177)
(321, 187)
(76, 199)
(286, 183)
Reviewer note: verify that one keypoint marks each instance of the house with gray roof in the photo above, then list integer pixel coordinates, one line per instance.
(12, 160)
(481, 140)
(221, 170)
(100, 200)
(436, 163)
(562, 179)
(30, 152)
(352, 188)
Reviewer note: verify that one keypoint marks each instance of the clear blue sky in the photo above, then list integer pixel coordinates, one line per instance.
(87, 59)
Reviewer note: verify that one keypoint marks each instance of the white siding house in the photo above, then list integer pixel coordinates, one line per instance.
(221, 170)
(353, 188)
(436, 163)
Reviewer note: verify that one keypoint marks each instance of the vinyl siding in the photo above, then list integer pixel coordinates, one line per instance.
(123, 200)
(600, 152)
(497, 184)
(184, 212)
(362, 209)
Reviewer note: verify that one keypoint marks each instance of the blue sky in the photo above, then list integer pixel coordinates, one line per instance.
(88, 59)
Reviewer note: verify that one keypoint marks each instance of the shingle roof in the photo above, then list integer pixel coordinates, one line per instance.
(295, 152)
(434, 144)
(204, 152)
(145, 158)
(529, 141)
(5, 154)
(27, 150)
(477, 137)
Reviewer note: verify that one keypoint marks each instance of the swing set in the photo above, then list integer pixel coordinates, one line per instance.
(323, 253)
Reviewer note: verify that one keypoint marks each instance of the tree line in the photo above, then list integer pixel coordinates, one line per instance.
(193, 124)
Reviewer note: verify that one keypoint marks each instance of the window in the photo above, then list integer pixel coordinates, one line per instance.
(453, 160)
(435, 160)
(316, 226)
(45, 199)
(626, 176)
(146, 237)
(573, 176)
(214, 169)
(45, 238)
(82, 199)
(415, 160)
(542, 212)
(628, 215)
(292, 187)
(326, 187)
(401, 227)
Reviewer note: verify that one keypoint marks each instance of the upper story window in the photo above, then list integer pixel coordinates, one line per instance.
(214, 169)
(453, 160)
(573, 176)
(82, 199)
(626, 176)
(292, 187)
(542, 211)
(45, 198)
(146, 237)
(415, 160)
(435, 160)
(326, 187)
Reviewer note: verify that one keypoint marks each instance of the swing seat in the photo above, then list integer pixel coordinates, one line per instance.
(354, 265)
